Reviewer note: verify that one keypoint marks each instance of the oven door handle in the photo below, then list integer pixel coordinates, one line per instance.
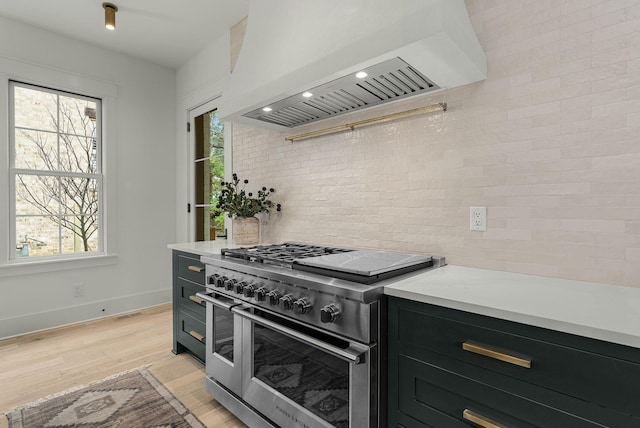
(207, 297)
(354, 354)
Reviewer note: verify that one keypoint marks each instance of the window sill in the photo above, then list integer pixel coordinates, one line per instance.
(14, 268)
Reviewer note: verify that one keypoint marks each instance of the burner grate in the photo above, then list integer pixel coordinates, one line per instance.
(281, 254)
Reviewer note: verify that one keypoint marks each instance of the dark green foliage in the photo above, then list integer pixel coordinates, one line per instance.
(237, 202)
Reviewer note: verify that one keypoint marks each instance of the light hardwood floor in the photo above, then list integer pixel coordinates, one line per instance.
(39, 364)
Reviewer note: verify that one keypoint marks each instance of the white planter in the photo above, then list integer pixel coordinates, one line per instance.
(246, 231)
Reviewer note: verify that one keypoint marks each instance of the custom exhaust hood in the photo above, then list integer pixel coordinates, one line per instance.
(299, 58)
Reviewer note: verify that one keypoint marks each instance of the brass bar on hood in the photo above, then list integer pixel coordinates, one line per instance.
(381, 119)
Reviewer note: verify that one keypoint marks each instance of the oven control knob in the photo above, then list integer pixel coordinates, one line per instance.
(211, 279)
(286, 302)
(240, 286)
(329, 313)
(248, 291)
(218, 281)
(301, 306)
(229, 283)
(274, 297)
(261, 294)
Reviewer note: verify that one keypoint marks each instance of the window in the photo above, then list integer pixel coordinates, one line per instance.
(55, 172)
(208, 169)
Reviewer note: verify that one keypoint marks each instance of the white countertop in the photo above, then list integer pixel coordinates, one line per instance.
(605, 312)
(205, 248)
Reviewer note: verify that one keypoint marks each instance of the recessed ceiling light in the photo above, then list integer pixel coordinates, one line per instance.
(361, 74)
(267, 109)
(307, 94)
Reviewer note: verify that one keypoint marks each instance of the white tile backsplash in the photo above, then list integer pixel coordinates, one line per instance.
(548, 143)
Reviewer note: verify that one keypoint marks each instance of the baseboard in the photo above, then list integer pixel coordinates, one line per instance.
(33, 322)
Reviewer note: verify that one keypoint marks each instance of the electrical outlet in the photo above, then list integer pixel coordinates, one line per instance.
(78, 290)
(478, 218)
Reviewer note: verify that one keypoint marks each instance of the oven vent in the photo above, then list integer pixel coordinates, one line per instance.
(388, 81)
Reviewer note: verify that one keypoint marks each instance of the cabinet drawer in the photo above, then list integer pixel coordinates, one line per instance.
(437, 420)
(431, 391)
(187, 299)
(190, 267)
(191, 334)
(579, 372)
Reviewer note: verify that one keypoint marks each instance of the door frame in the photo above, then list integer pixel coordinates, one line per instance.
(192, 113)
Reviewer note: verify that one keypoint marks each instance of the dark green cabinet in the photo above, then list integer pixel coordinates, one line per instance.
(189, 312)
(449, 368)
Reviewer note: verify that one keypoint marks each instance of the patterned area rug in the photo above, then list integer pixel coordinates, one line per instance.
(131, 399)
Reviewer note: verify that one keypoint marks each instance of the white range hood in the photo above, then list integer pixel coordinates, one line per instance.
(407, 47)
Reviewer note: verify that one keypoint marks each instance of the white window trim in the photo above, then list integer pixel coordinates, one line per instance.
(70, 82)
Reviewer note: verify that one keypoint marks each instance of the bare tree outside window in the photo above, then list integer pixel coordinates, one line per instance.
(57, 172)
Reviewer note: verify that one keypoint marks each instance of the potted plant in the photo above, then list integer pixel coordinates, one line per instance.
(242, 206)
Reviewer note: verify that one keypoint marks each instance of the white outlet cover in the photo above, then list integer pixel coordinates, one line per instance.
(478, 218)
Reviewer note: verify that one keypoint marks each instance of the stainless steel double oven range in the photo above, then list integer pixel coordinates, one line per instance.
(294, 332)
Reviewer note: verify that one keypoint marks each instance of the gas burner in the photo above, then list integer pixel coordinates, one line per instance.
(281, 254)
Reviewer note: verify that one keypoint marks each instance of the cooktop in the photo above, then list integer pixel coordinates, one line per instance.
(363, 266)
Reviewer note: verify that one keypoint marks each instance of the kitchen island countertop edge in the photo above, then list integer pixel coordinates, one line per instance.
(599, 311)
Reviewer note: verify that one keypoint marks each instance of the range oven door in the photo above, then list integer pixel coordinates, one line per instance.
(224, 342)
(300, 377)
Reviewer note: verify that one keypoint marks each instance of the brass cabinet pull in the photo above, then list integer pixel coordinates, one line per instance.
(496, 354)
(197, 335)
(196, 299)
(478, 419)
(196, 268)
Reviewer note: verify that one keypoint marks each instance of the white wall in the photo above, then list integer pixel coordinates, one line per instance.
(548, 143)
(141, 176)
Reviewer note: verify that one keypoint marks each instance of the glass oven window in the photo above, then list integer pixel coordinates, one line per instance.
(313, 379)
(223, 333)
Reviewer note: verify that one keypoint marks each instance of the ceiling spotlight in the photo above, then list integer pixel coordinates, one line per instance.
(361, 74)
(110, 10)
(267, 109)
(307, 94)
